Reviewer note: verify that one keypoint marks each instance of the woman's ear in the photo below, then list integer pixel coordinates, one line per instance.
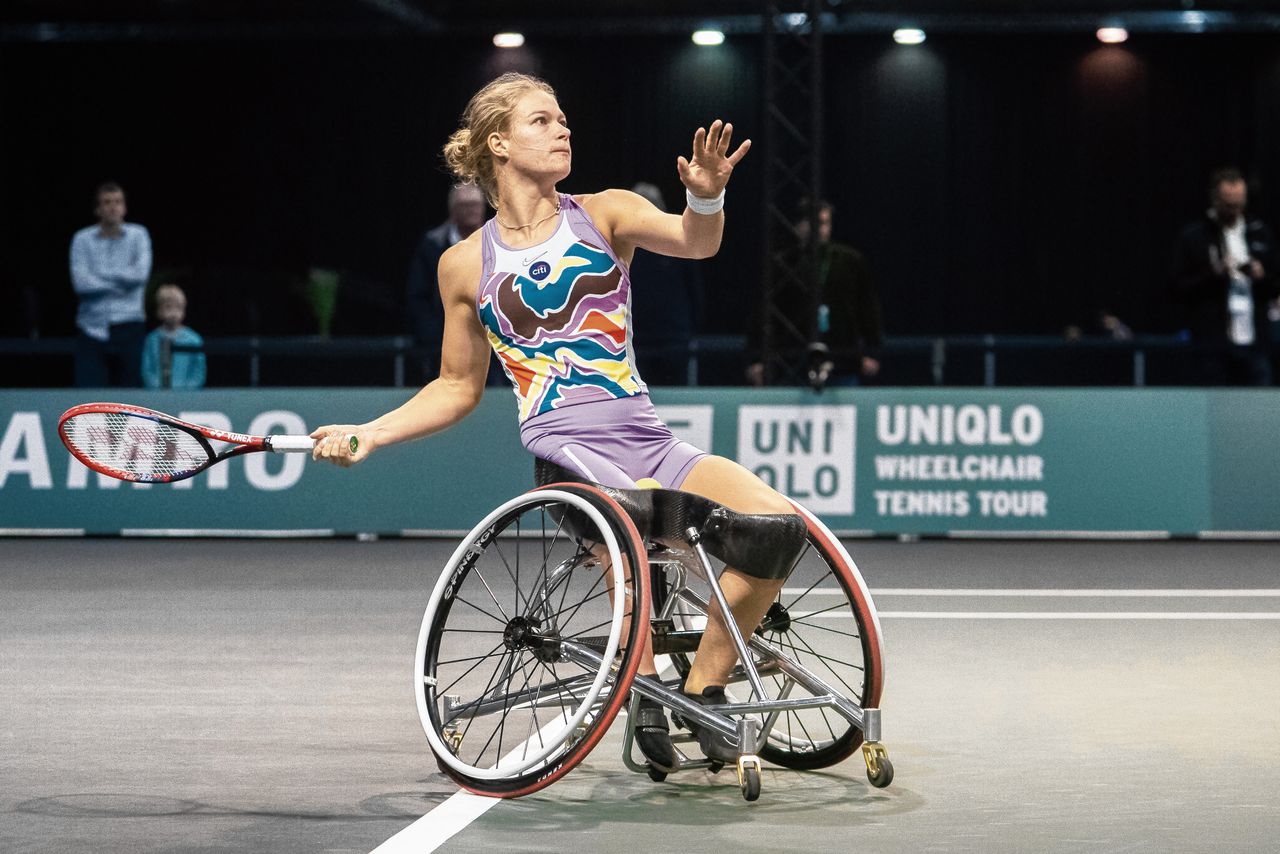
(497, 144)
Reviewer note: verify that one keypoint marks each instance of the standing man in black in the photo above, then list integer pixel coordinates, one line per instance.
(1225, 276)
(467, 210)
(846, 330)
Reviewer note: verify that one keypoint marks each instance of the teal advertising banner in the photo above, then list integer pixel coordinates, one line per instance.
(876, 461)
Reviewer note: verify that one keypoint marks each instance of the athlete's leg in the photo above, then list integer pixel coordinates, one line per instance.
(749, 598)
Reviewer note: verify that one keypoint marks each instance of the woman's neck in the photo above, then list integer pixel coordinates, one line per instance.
(525, 205)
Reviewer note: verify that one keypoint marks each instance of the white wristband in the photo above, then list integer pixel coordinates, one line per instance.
(699, 205)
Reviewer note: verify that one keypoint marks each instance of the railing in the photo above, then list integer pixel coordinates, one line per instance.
(970, 360)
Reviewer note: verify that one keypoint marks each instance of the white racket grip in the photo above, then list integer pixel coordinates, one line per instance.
(292, 444)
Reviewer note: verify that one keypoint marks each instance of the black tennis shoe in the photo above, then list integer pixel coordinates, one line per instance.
(715, 746)
(654, 735)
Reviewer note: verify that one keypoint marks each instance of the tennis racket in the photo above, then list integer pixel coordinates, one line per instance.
(141, 445)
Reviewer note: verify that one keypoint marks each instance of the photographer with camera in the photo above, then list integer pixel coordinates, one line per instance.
(845, 328)
(1224, 275)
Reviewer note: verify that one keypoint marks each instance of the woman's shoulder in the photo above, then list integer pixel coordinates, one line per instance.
(607, 208)
(467, 251)
(461, 263)
(605, 199)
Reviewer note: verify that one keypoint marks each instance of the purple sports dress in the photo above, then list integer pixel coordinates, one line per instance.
(558, 315)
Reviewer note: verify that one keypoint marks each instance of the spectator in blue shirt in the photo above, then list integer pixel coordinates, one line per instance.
(110, 264)
(173, 355)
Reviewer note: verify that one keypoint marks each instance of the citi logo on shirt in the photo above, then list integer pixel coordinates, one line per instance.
(540, 271)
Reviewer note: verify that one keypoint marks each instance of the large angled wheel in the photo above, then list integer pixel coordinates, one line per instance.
(823, 619)
(528, 646)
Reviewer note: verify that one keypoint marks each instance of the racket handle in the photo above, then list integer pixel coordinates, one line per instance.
(285, 444)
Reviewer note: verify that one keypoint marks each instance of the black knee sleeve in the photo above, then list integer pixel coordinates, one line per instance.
(762, 545)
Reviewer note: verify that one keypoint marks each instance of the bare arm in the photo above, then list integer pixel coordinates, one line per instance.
(446, 400)
(634, 222)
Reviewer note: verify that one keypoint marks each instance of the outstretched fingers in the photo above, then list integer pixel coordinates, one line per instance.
(713, 136)
(740, 153)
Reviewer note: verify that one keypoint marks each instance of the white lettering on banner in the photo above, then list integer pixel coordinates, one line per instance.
(947, 425)
(78, 476)
(897, 502)
(904, 502)
(967, 425)
(23, 433)
(219, 476)
(690, 424)
(806, 452)
(1016, 504)
(972, 467)
(278, 421)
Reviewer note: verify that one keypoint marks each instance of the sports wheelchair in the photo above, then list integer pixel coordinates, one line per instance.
(536, 628)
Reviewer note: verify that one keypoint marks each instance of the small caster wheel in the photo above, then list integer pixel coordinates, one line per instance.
(883, 775)
(750, 784)
(879, 768)
(749, 777)
(657, 775)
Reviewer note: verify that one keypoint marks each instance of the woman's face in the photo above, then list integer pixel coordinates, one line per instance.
(537, 141)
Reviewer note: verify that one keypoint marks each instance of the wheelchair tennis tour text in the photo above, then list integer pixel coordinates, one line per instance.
(995, 445)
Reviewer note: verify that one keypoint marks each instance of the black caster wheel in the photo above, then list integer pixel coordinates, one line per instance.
(884, 773)
(714, 766)
(750, 781)
(657, 775)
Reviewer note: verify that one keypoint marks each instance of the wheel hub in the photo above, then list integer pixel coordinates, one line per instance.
(776, 619)
(522, 633)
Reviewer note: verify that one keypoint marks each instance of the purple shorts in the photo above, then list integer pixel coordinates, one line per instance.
(611, 442)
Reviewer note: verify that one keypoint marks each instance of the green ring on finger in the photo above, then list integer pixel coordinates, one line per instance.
(354, 444)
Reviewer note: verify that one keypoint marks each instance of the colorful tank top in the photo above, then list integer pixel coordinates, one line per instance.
(558, 315)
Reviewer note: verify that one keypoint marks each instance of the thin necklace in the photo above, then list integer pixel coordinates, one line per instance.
(534, 224)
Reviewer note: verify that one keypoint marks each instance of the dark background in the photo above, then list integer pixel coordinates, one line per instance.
(999, 182)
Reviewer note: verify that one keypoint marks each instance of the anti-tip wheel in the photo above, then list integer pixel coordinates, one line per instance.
(883, 775)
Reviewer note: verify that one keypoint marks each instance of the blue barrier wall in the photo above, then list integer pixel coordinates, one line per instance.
(883, 461)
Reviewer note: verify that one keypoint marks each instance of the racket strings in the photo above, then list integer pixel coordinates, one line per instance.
(135, 444)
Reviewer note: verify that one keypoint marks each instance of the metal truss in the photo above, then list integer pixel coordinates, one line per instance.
(793, 129)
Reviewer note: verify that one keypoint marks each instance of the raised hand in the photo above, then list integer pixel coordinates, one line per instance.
(707, 171)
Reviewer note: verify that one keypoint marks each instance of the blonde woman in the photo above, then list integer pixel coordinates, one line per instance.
(544, 284)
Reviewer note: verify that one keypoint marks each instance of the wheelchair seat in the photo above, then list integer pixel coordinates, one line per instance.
(763, 545)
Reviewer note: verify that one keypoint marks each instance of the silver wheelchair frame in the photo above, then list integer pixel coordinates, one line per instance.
(533, 642)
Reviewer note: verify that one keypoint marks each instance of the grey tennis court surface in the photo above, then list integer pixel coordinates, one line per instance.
(223, 696)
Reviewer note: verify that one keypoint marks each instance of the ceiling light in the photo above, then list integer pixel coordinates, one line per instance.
(908, 36)
(708, 38)
(1113, 35)
(508, 40)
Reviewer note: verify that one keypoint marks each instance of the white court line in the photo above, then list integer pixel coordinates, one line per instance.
(452, 816)
(1075, 615)
(462, 808)
(1103, 592)
(42, 532)
(1048, 615)
(438, 826)
(235, 533)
